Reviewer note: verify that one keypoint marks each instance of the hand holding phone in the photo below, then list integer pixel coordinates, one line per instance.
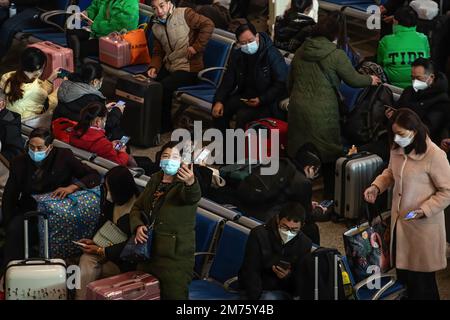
(411, 215)
(122, 143)
(80, 244)
(63, 73)
(285, 265)
(327, 203)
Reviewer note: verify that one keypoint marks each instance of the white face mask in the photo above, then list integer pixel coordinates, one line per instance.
(403, 141)
(419, 85)
(98, 85)
(286, 236)
(34, 75)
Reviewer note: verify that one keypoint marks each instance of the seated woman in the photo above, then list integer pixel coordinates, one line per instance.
(26, 94)
(103, 17)
(43, 169)
(83, 88)
(89, 134)
(170, 200)
(119, 194)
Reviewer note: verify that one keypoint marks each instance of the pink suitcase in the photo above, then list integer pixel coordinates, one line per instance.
(114, 50)
(134, 285)
(57, 57)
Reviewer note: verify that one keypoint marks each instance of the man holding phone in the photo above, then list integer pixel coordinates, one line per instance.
(272, 256)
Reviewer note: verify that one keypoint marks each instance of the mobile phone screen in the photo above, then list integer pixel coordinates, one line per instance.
(203, 155)
(123, 141)
(410, 215)
(120, 103)
(327, 203)
(79, 244)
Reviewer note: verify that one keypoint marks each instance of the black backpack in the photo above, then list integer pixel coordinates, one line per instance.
(326, 276)
(367, 121)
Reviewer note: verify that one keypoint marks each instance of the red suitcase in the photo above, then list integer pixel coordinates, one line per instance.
(114, 50)
(57, 57)
(253, 143)
(134, 285)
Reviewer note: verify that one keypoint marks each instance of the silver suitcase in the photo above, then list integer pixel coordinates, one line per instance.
(353, 175)
(36, 279)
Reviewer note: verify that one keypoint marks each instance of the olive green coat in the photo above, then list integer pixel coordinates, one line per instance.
(313, 107)
(173, 246)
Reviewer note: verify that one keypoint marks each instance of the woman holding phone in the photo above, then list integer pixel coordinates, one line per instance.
(170, 202)
(419, 173)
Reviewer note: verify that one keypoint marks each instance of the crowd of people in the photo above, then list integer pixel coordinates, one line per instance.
(256, 80)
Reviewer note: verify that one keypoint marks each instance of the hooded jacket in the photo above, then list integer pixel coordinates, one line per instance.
(113, 15)
(95, 141)
(397, 51)
(292, 29)
(313, 114)
(265, 249)
(10, 134)
(269, 75)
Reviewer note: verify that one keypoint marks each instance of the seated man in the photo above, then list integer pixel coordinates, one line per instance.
(180, 37)
(428, 97)
(398, 51)
(272, 257)
(254, 83)
(10, 131)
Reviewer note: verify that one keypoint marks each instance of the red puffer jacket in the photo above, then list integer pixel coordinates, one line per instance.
(95, 141)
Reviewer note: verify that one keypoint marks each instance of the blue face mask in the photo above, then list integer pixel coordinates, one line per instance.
(37, 156)
(170, 166)
(162, 21)
(250, 48)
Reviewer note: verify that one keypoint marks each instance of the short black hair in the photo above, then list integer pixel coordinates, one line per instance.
(89, 72)
(307, 155)
(168, 145)
(244, 27)
(406, 16)
(329, 26)
(293, 211)
(427, 64)
(409, 120)
(42, 133)
(121, 184)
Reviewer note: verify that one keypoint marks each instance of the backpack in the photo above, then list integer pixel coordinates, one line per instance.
(326, 276)
(62, 127)
(257, 188)
(366, 122)
(291, 30)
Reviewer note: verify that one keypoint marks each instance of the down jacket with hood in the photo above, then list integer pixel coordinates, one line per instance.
(270, 75)
(313, 109)
(73, 96)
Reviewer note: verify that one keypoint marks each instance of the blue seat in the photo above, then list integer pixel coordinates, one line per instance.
(215, 59)
(207, 227)
(57, 38)
(225, 267)
(350, 95)
(390, 288)
(362, 6)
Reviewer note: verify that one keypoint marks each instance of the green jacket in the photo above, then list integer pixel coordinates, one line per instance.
(113, 15)
(173, 246)
(313, 107)
(397, 51)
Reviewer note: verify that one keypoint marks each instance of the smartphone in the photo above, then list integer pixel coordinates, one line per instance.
(123, 141)
(202, 156)
(410, 215)
(120, 103)
(63, 73)
(327, 203)
(284, 264)
(80, 244)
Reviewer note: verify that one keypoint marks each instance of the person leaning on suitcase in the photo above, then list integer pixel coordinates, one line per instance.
(170, 200)
(420, 175)
(272, 257)
(180, 37)
(43, 169)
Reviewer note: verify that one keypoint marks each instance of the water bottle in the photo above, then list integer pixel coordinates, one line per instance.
(12, 10)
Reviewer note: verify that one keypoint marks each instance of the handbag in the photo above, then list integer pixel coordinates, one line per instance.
(70, 219)
(139, 252)
(367, 246)
(137, 39)
(109, 234)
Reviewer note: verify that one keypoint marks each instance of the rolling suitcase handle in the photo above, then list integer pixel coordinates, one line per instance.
(316, 278)
(27, 216)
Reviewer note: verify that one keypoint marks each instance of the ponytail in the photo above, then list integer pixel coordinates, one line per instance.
(88, 114)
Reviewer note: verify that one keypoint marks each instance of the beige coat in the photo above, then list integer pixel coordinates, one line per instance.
(420, 182)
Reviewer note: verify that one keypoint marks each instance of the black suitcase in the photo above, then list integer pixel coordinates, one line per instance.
(142, 116)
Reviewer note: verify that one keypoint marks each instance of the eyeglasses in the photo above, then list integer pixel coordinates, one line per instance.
(286, 228)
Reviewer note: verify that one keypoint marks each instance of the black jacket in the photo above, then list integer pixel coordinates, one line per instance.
(10, 134)
(432, 105)
(291, 30)
(270, 75)
(263, 250)
(59, 169)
